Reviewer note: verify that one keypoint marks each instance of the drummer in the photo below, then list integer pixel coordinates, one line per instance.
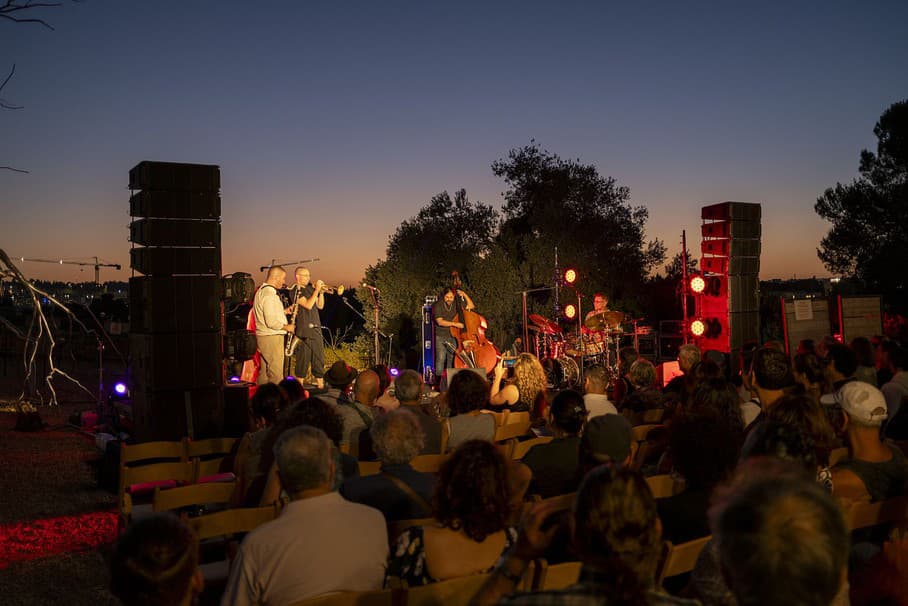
(600, 306)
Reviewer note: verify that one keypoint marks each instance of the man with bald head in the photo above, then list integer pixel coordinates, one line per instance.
(359, 413)
(311, 351)
(271, 326)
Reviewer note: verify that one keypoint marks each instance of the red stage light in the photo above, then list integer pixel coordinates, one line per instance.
(697, 284)
(570, 312)
(570, 276)
(697, 328)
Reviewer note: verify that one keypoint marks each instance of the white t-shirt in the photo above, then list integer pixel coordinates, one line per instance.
(598, 404)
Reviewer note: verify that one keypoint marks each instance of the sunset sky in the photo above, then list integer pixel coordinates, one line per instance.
(334, 121)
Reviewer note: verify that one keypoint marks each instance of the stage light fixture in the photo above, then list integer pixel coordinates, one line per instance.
(570, 276)
(697, 328)
(395, 372)
(234, 379)
(697, 284)
(570, 311)
(120, 389)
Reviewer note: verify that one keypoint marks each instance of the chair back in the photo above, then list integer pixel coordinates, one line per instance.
(653, 416)
(678, 559)
(148, 451)
(232, 521)
(429, 463)
(522, 448)
(194, 494)
(557, 576)
(369, 468)
(664, 485)
(453, 592)
(861, 514)
(211, 446)
(145, 478)
(511, 430)
(379, 597)
(640, 432)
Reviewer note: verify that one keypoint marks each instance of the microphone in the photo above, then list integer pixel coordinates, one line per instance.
(370, 287)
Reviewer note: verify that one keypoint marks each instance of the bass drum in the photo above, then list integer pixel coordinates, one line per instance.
(563, 372)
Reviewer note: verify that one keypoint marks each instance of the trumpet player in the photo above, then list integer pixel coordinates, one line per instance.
(311, 350)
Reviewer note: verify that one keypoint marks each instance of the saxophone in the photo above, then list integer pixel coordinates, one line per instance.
(292, 340)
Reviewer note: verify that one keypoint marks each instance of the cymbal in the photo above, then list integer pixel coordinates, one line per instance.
(604, 320)
(547, 326)
(595, 322)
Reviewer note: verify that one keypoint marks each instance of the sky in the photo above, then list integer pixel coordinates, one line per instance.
(333, 122)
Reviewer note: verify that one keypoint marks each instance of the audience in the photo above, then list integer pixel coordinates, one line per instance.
(467, 395)
(688, 359)
(606, 439)
(863, 351)
(807, 369)
(595, 385)
(554, 465)
(623, 386)
(781, 538)
(704, 452)
(526, 392)
(321, 543)
(875, 469)
(359, 412)
(471, 506)
(268, 401)
(841, 364)
(155, 562)
(409, 388)
(646, 396)
(896, 394)
(617, 535)
(294, 390)
(399, 491)
(339, 378)
(770, 377)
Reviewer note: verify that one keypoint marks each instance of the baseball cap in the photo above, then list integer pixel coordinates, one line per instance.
(863, 402)
(609, 435)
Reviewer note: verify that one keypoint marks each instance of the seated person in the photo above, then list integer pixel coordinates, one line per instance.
(704, 451)
(617, 534)
(155, 562)
(268, 401)
(408, 395)
(471, 510)
(595, 384)
(875, 470)
(399, 491)
(554, 465)
(606, 439)
(467, 395)
(320, 543)
(646, 396)
(526, 392)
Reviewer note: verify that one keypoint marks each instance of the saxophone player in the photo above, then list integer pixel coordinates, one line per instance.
(311, 350)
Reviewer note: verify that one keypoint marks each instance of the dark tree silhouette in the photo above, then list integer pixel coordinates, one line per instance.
(869, 235)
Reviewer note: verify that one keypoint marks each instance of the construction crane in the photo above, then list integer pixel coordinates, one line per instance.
(97, 265)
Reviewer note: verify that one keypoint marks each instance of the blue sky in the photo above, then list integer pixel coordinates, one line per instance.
(333, 122)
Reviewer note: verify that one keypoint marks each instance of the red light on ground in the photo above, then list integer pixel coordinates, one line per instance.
(570, 312)
(697, 328)
(697, 284)
(570, 276)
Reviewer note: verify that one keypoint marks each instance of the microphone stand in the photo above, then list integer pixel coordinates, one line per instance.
(282, 262)
(375, 331)
(523, 294)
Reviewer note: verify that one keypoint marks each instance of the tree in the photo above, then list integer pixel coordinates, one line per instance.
(447, 234)
(869, 234)
(552, 203)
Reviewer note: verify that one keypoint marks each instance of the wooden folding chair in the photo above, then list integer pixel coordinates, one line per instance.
(369, 468)
(379, 597)
(678, 559)
(522, 448)
(557, 576)
(141, 481)
(212, 446)
(160, 451)
(861, 514)
(429, 463)
(640, 432)
(664, 485)
(216, 493)
(511, 430)
(452, 592)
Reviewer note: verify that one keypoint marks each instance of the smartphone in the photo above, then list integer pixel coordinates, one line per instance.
(509, 362)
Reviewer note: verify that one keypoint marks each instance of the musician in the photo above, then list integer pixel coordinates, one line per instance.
(311, 350)
(271, 326)
(600, 305)
(446, 312)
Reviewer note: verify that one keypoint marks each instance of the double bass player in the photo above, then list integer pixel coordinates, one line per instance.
(447, 313)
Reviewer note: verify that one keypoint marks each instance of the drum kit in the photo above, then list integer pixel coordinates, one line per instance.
(563, 356)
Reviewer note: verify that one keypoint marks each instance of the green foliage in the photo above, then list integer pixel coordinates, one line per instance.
(869, 234)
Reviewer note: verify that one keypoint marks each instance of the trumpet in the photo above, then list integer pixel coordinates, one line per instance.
(339, 290)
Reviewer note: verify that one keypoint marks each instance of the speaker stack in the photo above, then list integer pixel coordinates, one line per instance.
(730, 305)
(176, 316)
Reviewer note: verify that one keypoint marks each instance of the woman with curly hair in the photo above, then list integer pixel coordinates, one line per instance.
(526, 391)
(471, 505)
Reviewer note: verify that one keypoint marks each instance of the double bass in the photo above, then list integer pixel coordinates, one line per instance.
(474, 350)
